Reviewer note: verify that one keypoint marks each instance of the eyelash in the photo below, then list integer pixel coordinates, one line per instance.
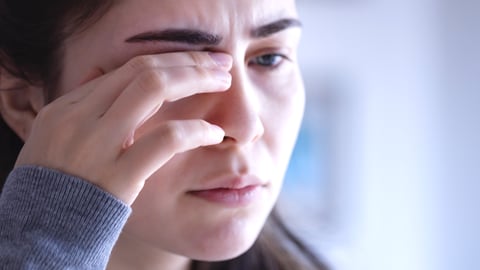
(268, 61)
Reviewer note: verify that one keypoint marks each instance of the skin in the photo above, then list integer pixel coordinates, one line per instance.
(150, 122)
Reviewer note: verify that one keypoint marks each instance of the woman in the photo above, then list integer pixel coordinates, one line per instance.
(178, 115)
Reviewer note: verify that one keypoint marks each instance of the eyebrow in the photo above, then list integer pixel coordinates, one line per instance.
(187, 36)
(275, 27)
(198, 37)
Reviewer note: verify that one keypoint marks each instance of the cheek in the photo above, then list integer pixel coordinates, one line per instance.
(284, 102)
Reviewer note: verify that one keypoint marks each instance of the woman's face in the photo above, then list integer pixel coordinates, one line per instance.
(209, 203)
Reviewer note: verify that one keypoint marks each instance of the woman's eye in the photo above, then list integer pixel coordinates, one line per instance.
(268, 60)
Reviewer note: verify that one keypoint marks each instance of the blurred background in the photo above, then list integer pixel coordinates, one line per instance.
(386, 172)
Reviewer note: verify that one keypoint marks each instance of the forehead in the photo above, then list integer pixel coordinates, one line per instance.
(128, 17)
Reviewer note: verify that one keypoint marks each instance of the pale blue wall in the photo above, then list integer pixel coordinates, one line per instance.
(393, 124)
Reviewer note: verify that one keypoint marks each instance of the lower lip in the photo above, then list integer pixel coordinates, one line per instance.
(230, 197)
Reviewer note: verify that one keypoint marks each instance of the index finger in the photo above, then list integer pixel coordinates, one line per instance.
(116, 81)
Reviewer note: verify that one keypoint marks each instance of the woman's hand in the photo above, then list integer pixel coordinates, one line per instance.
(89, 132)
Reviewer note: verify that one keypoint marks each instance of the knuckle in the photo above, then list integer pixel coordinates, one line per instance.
(47, 114)
(174, 134)
(152, 81)
(200, 58)
(197, 57)
(203, 73)
(44, 113)
(141, 62)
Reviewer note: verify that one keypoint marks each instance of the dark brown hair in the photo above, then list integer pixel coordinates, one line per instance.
(32, 33)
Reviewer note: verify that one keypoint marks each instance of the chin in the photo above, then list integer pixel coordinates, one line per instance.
(225, 251)
(227, 241)
(221, 254)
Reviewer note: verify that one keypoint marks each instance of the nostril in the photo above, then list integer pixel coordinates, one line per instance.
(227, 142)
(228, 138)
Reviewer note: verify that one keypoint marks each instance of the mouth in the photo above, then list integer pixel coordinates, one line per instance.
(231, 197)
(231, 191)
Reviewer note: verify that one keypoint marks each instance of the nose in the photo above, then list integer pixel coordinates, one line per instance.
(238, 111)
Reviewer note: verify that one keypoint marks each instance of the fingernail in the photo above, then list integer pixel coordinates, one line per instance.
(217, 132)
(221, 59)
(222, 75)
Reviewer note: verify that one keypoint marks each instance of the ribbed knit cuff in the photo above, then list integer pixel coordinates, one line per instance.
(60, 217)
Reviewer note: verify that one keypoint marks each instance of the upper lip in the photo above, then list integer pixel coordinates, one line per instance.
(232, 182)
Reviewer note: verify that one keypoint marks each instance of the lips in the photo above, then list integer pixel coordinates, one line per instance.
(232, 182)
(230, 197)
(231, 192)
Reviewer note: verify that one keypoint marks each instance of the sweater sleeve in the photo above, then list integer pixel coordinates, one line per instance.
(50, 220)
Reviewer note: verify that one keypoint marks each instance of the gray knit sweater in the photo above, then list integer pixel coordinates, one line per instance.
(50, 220)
